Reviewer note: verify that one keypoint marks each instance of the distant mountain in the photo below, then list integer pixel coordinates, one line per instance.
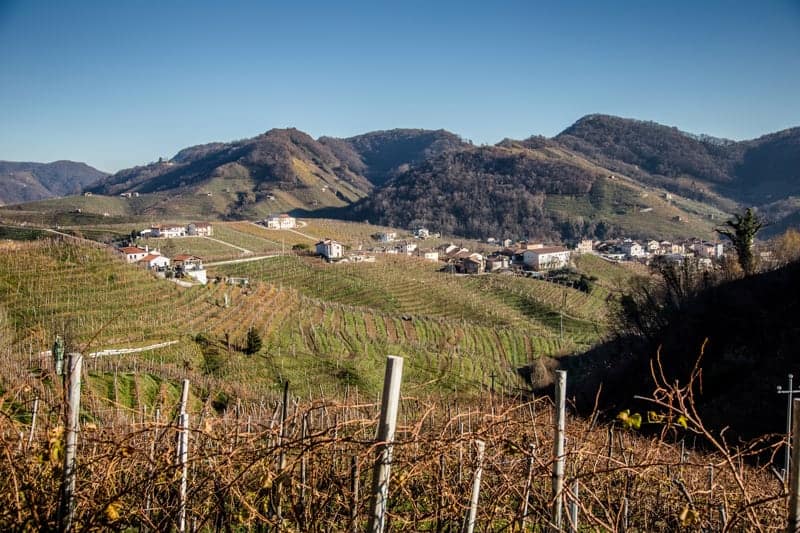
(602, 176)
(25, 182)
(283, 169)
(380, 155)
(706, 168)
(533, 188)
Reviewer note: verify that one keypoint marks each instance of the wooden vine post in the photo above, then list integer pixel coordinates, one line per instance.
(183, 454)
(793, 525)
(558, 450)
(390, 403)
(66, 508)
(476, 487)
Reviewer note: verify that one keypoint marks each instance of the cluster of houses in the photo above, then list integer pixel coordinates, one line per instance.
(171, 231)
(644, 251)
(182, 265)
(457, 259)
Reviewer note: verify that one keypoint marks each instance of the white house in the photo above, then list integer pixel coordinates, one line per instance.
(585, 246)
(134, 254)
(201, 229)
(429, 255)
(282, 221)
(633, 249)
(546, 258)
(168, 231)
(330, 249)
(192, 266)
(406, 247)
(386, 236)
(422, 233)
(154, 261)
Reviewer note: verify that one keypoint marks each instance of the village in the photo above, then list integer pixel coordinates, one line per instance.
(525, 257)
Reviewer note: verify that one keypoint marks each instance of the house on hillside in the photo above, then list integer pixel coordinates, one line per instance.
(429, 255)
(168, 231)
(585, 246)
(134, 254)
(191, 266)
(282, 221)
(154, 261)
(497, 261)
(200, 229)
(546, 258)
(386, 236)
(422, 233)
(406, 247)
(330, 249)
(632, 249)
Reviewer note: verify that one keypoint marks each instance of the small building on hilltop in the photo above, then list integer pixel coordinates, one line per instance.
(282, 221)
(330, 249)
(547, 258)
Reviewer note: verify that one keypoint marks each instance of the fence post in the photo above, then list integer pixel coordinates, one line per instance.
(390, 403)
(558, 449)
(183, 454)
(794, 478)
(527, 495)
(573, 508)
(476, 486)
(281, 456)
(354, 486)
(67, 504)
(33, 421)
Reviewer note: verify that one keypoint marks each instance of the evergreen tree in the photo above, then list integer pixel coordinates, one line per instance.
(253, 343)
(742, 233)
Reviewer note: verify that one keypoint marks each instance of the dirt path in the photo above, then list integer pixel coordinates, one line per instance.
(243, 250)
(245, 260)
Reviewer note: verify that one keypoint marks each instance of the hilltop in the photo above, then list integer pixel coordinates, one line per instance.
(25, 182)
(603, 176)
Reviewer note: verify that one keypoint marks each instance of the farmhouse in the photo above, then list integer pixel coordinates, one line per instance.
(546, 257)
(585, 246)
(497, 261)
(168, 231)
(201, 229)
(632, 249)
(154, 261)
(133, 253)
(330, 249)
(190, 265)
(429, 255)
(282, 221)
(386, 236)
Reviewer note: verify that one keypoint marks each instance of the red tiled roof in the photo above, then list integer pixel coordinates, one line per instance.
(133, 250)
(184, 257)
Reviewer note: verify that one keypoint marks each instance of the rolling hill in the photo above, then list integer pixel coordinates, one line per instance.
(25, 182)
(602, 176)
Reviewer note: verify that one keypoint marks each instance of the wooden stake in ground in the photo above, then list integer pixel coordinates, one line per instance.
(793, 525)
(73, 383)
(390, 403)
(183, 454)
(558, 449)
(476, 486)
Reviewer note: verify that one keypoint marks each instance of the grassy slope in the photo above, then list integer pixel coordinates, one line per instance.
(324, 326)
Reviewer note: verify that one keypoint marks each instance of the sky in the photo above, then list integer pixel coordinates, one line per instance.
(117, 84)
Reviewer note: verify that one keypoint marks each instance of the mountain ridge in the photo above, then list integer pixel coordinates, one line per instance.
(24, 181)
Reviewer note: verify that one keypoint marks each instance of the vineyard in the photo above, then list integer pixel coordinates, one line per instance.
(248, 466)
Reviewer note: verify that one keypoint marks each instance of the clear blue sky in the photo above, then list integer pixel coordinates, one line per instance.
(121, 83)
